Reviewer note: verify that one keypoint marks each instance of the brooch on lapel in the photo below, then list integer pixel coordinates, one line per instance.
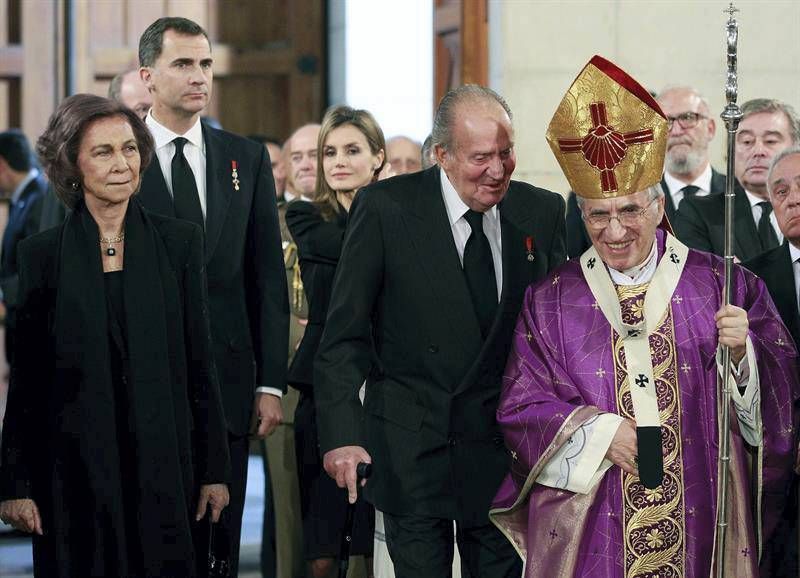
(529, 247)
(235, 175)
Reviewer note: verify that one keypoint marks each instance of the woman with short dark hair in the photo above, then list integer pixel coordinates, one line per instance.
(114, 441)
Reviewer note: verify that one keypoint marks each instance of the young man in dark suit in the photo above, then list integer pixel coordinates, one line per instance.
(767, 127)
(24, 186)
(223, 183)
(424, 304)
(780, 269)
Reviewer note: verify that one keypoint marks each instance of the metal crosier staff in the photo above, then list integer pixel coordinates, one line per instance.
(731, 115)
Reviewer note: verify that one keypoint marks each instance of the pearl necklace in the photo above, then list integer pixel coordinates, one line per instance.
(111, 251)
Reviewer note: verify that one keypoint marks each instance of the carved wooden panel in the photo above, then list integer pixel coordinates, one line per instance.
(461, 46)
(269, 56)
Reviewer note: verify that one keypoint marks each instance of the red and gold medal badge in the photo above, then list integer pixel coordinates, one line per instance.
(608, 134)
(235, 175)
(529, 248)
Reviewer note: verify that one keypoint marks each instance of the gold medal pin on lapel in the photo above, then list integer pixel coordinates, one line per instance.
(235, 175)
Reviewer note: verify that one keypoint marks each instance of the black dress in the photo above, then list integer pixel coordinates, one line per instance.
(114, 418)
(122, 403)
(323, 503)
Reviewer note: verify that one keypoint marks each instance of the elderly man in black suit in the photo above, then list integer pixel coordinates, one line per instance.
(767, 127)
(687, 170)
(780, 269)
(223, 183)
(432, 273)
(24, 186)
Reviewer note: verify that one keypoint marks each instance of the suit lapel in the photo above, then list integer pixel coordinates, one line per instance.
(669, 204)
(518, 272)
(784, 292)
(219, 187)
(748, 245)
(717, 182)
(18, 209)
(154, 194)
(430, 231)
(515, 271)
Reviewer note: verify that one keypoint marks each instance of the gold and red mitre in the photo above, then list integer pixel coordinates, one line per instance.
(608, 134)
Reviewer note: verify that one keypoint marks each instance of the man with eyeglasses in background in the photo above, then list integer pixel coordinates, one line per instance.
(609, 403)
(688, 171)
(767, 127)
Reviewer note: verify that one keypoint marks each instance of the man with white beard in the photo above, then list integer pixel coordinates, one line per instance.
(688, 171)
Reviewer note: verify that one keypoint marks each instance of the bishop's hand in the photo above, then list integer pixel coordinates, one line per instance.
(732, 326)
(624, 449)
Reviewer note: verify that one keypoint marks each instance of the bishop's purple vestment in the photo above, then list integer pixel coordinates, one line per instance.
(566, 367)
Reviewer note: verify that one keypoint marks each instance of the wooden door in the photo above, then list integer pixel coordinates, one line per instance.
(274, 68)
(461, 44)
(269, 65)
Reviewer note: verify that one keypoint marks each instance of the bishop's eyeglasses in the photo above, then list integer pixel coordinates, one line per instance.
(627, 217)
(686, 120)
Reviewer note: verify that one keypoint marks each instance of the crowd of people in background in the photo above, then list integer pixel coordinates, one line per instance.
(173, 290)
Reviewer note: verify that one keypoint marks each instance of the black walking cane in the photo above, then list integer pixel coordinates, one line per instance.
(363, 472)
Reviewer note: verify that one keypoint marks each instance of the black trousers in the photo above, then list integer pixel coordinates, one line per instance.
(239, 447)
(422, 547)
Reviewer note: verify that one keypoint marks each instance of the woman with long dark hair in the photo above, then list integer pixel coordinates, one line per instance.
(350, 155)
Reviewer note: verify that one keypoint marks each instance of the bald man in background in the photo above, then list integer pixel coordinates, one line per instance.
(403, 154)
(128, 89)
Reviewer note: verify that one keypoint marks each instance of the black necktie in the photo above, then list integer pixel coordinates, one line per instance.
(184, 187)
(765, 231)
(479, 272)
(689, 191)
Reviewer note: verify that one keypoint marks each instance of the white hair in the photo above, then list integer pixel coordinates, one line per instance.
(794, 150)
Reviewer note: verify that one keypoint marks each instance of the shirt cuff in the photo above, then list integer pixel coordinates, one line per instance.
(741, 372)
(746, 397)
(270, 390)
(580, 463)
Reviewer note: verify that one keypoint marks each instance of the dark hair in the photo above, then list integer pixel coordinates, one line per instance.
(265, 140)
(335, 117)
(152, 39)
(756, 105)
(14, 148)
(59, 144)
